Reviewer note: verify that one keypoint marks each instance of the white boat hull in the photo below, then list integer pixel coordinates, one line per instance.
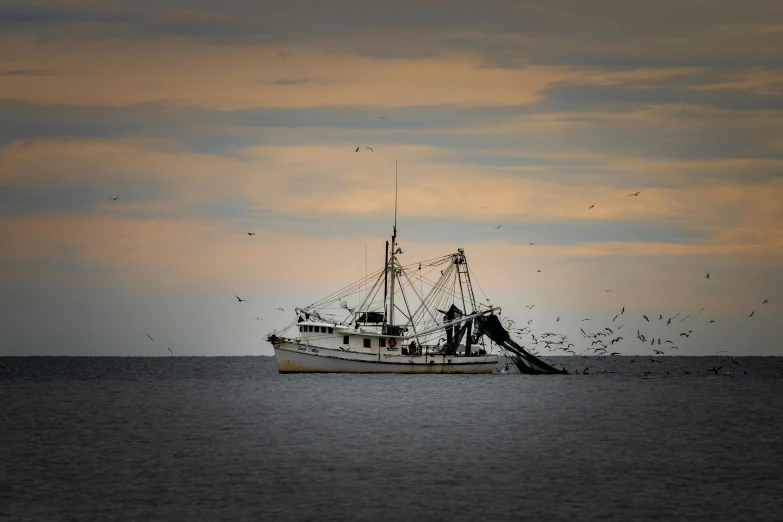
(301, 358)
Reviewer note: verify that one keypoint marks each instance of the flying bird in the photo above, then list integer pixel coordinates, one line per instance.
(259, 318)
(765, 301)
(646, 318)
(715, 370)
(251, 233)
(591, 206)
(278, 308)
(114, 199)
(357, 148)
(622, 311)
(708, 275)
(705, 308)
(500, 225)
(151, 339)
(529, 307)
(370, 149)
(383, 117)
(636, 193)
(538, 270)
(239, 299)
(615, 317)
(751, 314)
(172, 353)
(531, 244)
(607, 291)
(712, 321)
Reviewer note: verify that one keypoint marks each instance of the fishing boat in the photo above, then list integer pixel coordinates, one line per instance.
(420, 317)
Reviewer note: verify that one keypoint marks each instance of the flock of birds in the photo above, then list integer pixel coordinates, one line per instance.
(601, 340)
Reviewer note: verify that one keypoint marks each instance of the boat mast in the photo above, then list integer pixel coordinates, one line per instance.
(393, 263)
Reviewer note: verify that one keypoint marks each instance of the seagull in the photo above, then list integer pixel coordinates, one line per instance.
(734, 360)
(712, 321)
(635, 194)
(172, 353)
(370, 149)
(151, 339)
(538, 270)
(751, 314)
(529, 307)
(669, 321)
(557, 320)
(615, 317)
(259, 318)
(591, 206)
(648, 320)
(705, 308)
(500, 225)
(622, 311)
(239, 299)
(114, 199)
(607, 291)
(686, 334)
(658, 352)
(765, 301)
(383, 117)
(278, 308)
(251, 233)
(715, 370)
(708, 275)
(357, 148)
(531, 244)
(586, 319)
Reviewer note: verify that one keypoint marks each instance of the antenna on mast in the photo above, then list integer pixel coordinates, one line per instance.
(395, 197)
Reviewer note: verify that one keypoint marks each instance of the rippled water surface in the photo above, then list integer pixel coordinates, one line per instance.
(230, 439)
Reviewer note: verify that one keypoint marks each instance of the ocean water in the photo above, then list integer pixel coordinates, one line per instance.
(227, 438)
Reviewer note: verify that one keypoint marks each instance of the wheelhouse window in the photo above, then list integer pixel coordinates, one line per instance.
(310, 328)
(330, 330)
(323, 329)
(367, 343)
(345, 339)
(382, 342)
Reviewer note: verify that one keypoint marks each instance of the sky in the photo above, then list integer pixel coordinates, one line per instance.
(209, 120)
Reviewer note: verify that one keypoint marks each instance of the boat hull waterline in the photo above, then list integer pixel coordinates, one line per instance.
(300, 358)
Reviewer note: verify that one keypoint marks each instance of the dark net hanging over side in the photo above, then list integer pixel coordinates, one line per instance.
(524, 360)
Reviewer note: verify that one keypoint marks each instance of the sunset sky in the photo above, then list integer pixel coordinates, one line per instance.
(210, 119)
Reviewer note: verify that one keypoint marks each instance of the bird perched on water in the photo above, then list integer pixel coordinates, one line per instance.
(239, 299)
(635, 194)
